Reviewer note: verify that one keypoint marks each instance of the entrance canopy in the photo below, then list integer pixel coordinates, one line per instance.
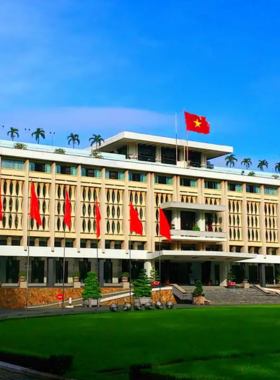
(192, 206)
(203, 255)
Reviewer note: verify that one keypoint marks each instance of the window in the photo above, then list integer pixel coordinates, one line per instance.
(188, 182)
(270, 190)
(213, 248)
(88, 243)
(40, 167)
(163, 180)
(252, 189)
(137, 245)
(168, 156)
(12, 164)
(15, 240)
(69, 243)
(43, 242)
(3, 240)
(91, 172)
(137, 177)
(57, 243)
(212, 185)
(64, 169)
(146, 153)
(234, 187)
(112, 174)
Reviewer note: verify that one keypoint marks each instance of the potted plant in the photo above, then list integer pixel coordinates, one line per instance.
(195, 227)
(59, 151)
(22, 276)
(154, 277)
(76, 276)
(142, 288)
(125, 276)
(278, 279)
(198, 295)
(230, 280)
(91, 294)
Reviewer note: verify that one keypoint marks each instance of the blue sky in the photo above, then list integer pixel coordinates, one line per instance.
(96, 66)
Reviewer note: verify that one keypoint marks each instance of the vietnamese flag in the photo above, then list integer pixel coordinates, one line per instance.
(1, 212)
(98, 218)
(196, 123)
(34, 206)
(164, 228)
(135, 222)
(67, 212)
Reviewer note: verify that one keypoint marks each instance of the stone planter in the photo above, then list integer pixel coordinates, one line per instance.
(154, 284)
(231, 284)
(199, 300)
(76, 279)
(22, 279)
(124, 279)
(91, 302)
(142, 300)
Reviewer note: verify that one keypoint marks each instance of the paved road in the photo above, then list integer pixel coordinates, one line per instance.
(8, 375)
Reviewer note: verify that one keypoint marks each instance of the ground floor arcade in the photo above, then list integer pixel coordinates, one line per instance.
(49, 271)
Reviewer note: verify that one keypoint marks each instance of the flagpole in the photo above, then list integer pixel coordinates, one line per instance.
(28, 246)
(97, 270)
(187, 144)
(130, 271)
(159, 258)
(176, 133)
(63, 270)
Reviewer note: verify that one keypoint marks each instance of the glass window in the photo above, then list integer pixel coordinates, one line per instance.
(270, 190)
(40, 167)
(90, 172)
(212, 185)
(12, 164)
(188, 182)
(16, 241)
(163, 180)
(252, 189)
(234, 187)
(43, 242)
(137, 177)
(64, 169)
(112, 174)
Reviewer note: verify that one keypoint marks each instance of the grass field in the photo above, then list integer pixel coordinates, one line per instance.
(111, 341)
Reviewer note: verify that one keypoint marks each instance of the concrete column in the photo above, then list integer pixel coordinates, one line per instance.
(25, 205)
(126, 211)
(51, 272)
(225, 216)
(52, 208)
(158, 153)
(176, 219)
(244, 220)
(148, 267)
(151, 192)
(3, 269)
(262, 275)
(132, 150)
(78, 209)
(101, 272)
(102, 201)
(149, 213)
(117, 267)
(278, 219)
(224, 269)
(262, 223)
(200, 190)
(200, 220)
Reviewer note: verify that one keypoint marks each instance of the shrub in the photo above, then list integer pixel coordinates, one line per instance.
(125, 274)
(196, 228)
(251, 174)
(275, 176)
(142, 287)
(95, 153)
(92, 288)
(76, 274)
(154, 275)
(198, 291)
(59, 151)
(230, 276)
(22, 274)
(20, 146)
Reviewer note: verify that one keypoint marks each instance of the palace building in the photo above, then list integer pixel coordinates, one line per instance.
(221, 219)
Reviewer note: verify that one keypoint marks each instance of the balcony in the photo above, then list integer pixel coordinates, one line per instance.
(201, 236)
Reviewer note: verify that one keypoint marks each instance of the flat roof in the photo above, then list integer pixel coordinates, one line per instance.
(192, 206)
(123, 138)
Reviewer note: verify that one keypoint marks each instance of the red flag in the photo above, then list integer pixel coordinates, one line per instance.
(196, 123)
(98, 218)
(135, 222)
(1, 212)
(67, 213)
(34, 206)
(164, 228)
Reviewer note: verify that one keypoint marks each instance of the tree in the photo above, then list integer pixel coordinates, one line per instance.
(247, 162)
(39, 133)
(262, 164)
(231, 160)
(95, 139)
(154, 275)
(74, 139)
(92, 288)
(277, 167)
(142, 287)
(13, 132)
(198, 290)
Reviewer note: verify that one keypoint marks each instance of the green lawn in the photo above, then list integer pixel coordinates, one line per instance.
(117, 340)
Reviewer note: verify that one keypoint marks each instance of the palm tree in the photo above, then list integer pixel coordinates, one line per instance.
(277, 167)
(74, 139)
(39, 133)
(231, 160)
(96, 139)
(13, 132)
(247, 162)
(262, 164)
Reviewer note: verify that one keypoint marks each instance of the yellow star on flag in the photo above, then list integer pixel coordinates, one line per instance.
(197, 123)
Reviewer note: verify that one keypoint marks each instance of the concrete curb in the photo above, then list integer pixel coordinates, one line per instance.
(30, 372)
